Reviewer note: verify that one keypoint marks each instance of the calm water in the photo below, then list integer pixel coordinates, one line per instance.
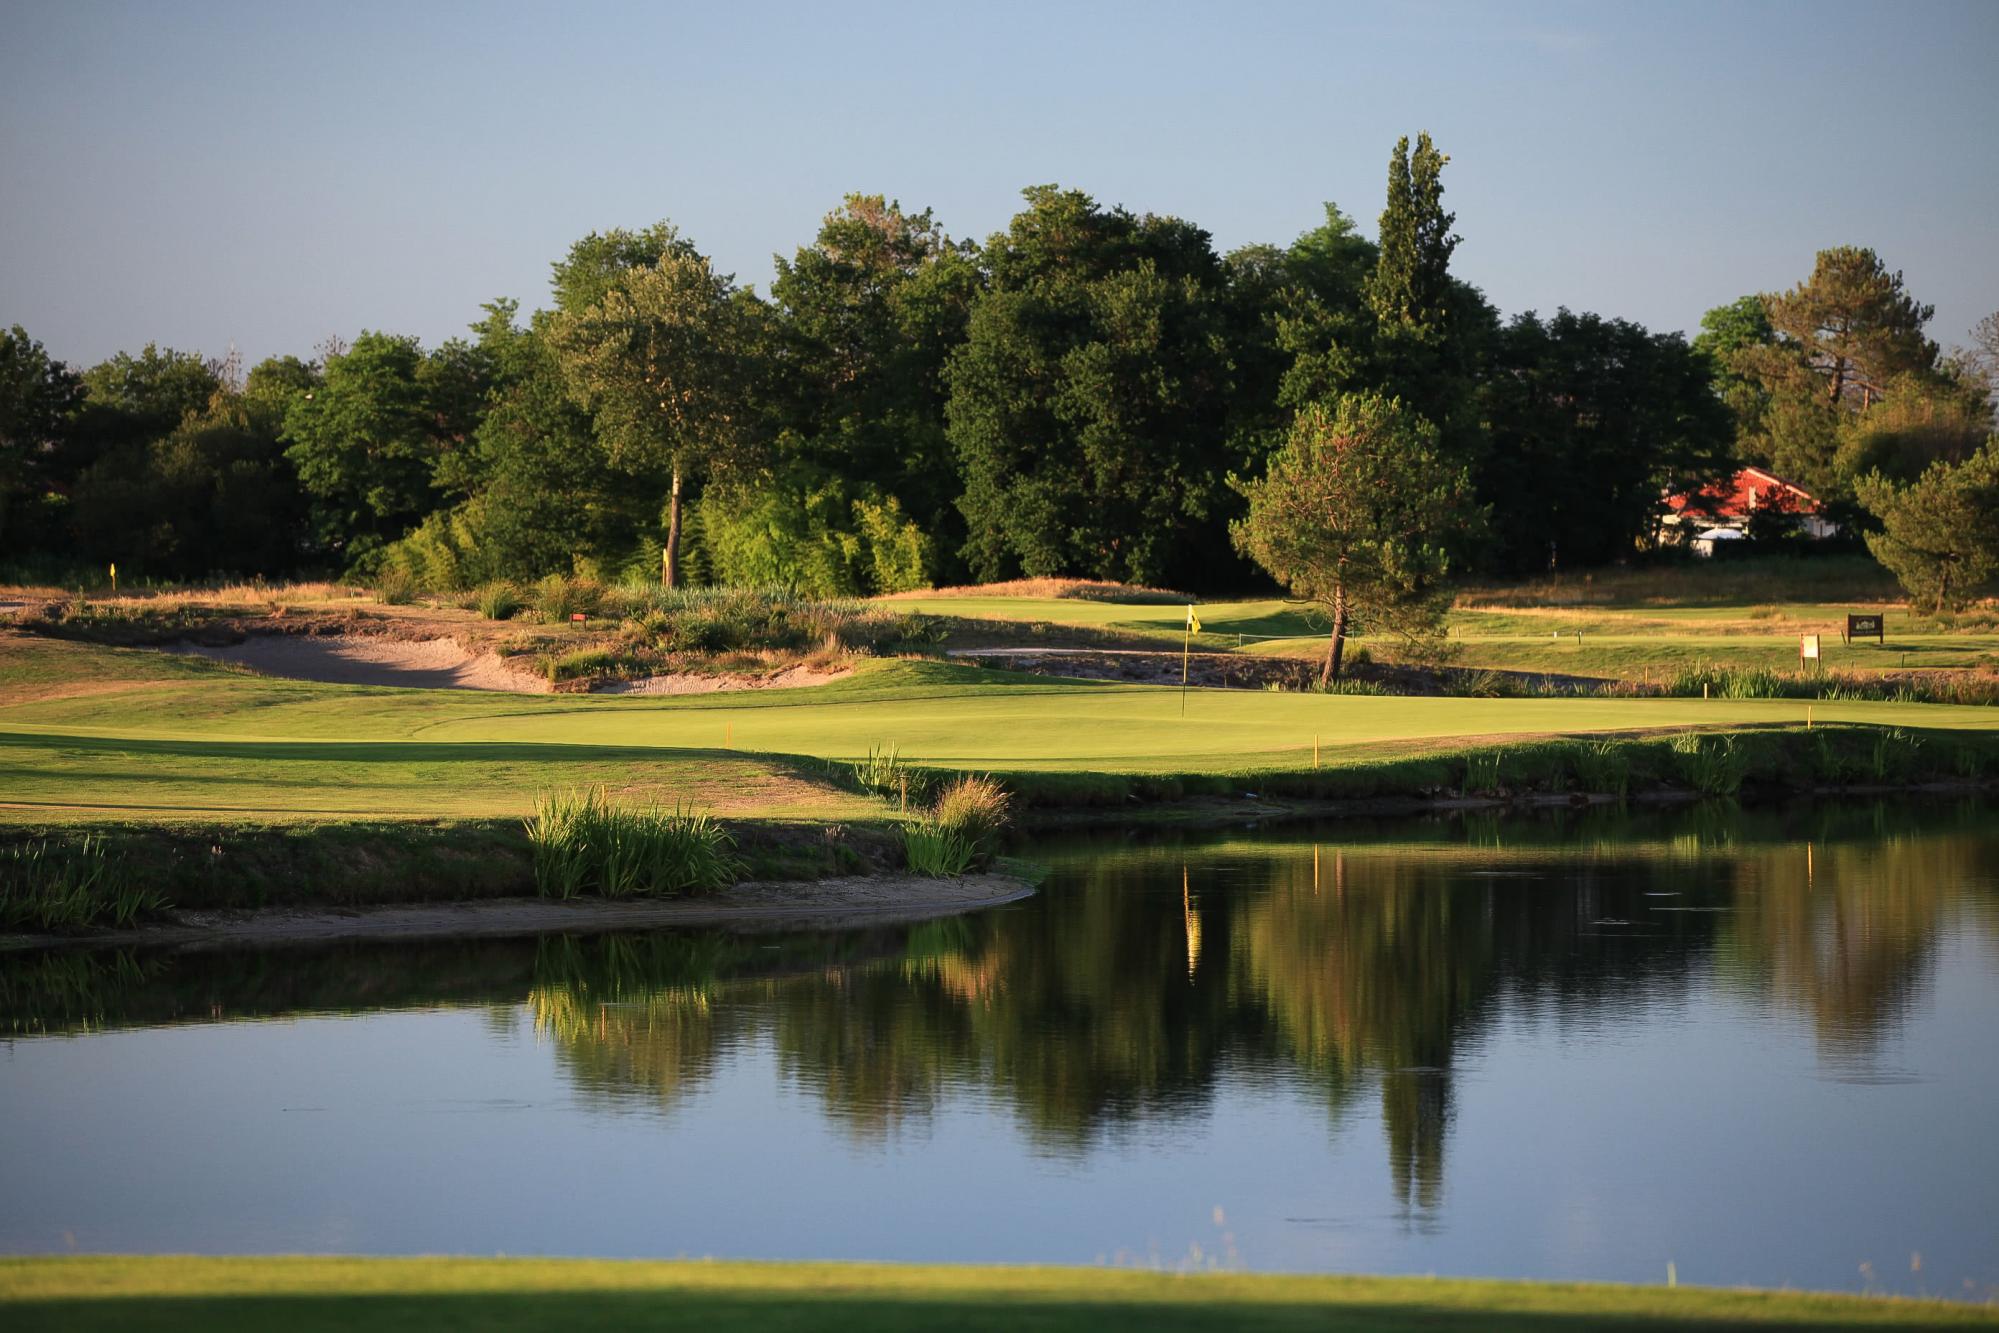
(1758, 1046)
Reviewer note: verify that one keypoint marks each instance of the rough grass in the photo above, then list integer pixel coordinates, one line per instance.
(1088, 590)
(305, 1294)
(1855, 578)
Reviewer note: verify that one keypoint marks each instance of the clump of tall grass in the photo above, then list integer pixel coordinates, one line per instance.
(1941, 687)
(1602, 768)
(1894, 755)
(1712, 765)
(886, 773)
(395, 586)
(585, 844)
(962, 830)
(46, 885)
(1482, 773)
(939, 852)
(976, 808)
(498, 600)
(590, 662)
(1347, 685)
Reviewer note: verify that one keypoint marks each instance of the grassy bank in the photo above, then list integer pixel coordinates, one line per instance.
(312, 1293)
(341, 864)
(214, 787)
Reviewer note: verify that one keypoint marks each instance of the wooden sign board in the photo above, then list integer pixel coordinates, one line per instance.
(577, 618)
(1875, 625)
(1808, 648)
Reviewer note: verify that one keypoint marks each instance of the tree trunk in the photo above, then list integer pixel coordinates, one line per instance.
(1336, 649)
(670, 558)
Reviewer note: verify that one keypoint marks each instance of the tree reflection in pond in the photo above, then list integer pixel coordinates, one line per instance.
(1364, 966)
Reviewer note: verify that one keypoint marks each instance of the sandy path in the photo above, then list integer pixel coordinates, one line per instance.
(355, 659)
(828, 904)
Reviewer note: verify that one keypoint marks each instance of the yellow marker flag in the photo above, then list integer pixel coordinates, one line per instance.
(1193, 622)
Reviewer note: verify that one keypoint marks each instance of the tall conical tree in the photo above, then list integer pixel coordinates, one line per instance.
(1411, 288)
(1428, 327)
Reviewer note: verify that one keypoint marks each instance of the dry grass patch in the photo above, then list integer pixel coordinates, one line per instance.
(1088, 590)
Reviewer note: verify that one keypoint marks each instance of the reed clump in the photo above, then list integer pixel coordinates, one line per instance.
(47, 885)
(585, 844)
(499, 600)
(1713, 765)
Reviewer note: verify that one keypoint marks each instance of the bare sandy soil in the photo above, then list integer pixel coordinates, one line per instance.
(696, 683)
(356, 659)
(749, 907)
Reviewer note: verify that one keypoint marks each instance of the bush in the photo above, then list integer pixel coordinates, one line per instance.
(395, 587)
(718, 620)
(584, 844)
(556, 598)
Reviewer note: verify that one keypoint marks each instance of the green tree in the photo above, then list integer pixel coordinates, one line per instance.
(37, 396)
(1852, 325)
(870, 313)
(1429, 330)
(1591, 420)
(538, 494)
(1842, 343)
(1359, 512)
(1090, 403)
(366, 443)
(661, 356)
(1940, 534)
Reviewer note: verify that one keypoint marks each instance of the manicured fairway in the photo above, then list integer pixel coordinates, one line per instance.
(175, 740)
(300, 1294)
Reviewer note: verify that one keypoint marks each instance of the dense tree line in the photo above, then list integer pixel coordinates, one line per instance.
(1090, 392)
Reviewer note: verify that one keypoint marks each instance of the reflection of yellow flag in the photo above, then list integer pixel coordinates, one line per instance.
(1193, 622)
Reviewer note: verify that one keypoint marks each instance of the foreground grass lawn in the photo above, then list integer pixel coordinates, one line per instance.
(133, 731)
(170, 1292)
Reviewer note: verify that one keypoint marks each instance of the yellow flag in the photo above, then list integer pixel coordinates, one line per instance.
(1193, 622)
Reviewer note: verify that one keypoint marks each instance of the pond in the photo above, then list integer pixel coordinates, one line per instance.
(1754, 1046)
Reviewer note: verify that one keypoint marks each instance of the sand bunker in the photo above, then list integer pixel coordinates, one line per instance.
(425, 664)
(444, 664)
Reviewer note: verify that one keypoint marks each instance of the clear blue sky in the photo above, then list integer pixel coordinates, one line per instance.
(272, 174)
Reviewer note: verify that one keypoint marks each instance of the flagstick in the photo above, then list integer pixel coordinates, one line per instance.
(1186, 647)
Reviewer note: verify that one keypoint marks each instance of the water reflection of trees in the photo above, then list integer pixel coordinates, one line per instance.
(1364, 965)
(1118, 999)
